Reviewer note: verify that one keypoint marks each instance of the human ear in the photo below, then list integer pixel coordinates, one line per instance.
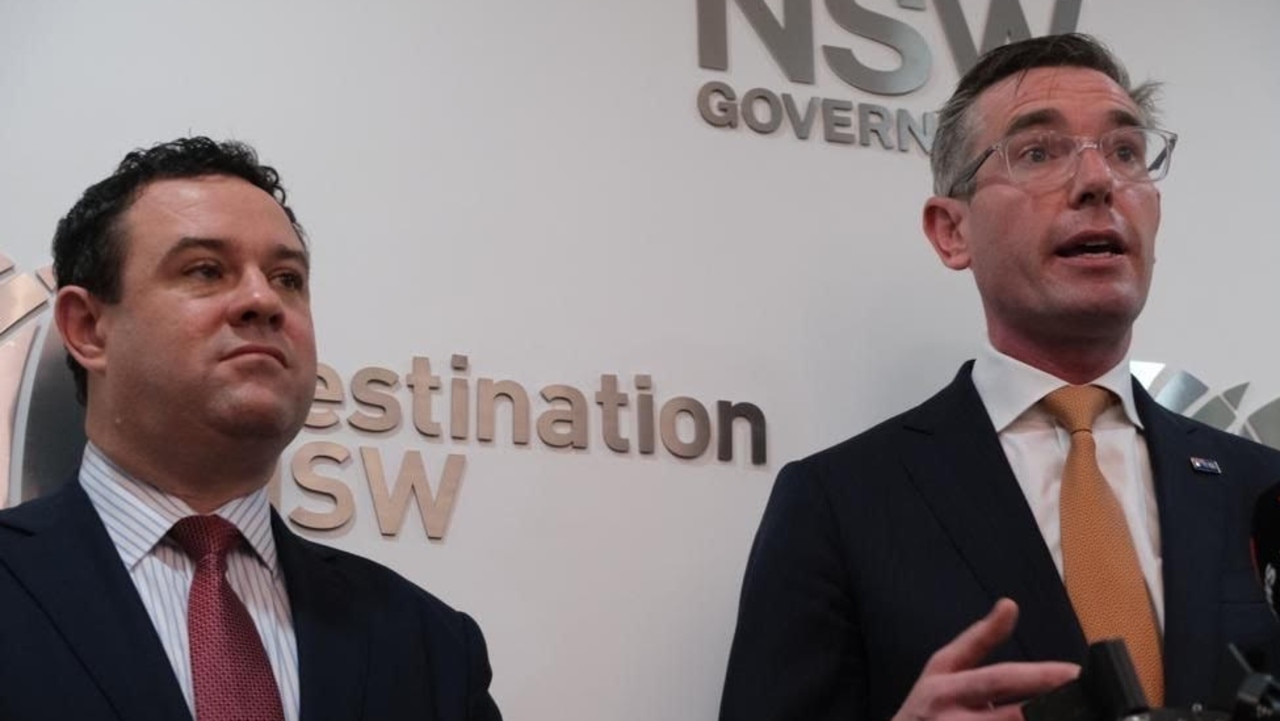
(79, 317)
(945, 225)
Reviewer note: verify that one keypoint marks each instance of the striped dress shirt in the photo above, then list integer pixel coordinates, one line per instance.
(138, 518)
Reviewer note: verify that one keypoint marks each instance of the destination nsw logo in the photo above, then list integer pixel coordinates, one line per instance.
(440, 415)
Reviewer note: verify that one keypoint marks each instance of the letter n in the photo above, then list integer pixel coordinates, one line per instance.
(789, 41)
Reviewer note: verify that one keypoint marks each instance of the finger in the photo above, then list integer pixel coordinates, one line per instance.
(1006, 682)
(974, 643)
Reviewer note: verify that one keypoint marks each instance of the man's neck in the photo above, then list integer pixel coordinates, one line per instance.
(202, 477)
(1076, 361)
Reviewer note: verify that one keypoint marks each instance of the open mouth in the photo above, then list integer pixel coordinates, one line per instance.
(1092, 247)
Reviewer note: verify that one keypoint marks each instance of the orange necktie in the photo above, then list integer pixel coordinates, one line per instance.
(1100, 566)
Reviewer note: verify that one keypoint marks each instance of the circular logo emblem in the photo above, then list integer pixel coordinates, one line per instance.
(41, 424)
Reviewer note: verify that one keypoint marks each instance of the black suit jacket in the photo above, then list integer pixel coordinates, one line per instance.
(77, 643)
(874, 553)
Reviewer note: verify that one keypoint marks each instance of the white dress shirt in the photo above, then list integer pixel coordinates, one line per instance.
(138, 518)
(1036, 446)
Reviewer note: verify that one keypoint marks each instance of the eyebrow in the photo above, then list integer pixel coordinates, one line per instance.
(1051, 116)
(1036, 118)
(280, 252)
(1124, 118)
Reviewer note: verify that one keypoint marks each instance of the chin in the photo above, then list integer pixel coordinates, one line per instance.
(262, 420)
(260, 428)
(1104, 304)
(1097, 323)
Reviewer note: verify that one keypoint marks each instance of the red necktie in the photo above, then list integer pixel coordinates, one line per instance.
(229, 667)
(1100, 564)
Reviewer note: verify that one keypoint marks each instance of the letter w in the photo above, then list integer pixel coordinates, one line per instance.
(412, 481)
(1005, 23)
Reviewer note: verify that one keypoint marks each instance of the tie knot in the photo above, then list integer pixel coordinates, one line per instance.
(1077, 407)
(202, 536)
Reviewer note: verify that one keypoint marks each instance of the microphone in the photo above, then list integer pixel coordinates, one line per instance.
(1265, 544)
(1108, 688)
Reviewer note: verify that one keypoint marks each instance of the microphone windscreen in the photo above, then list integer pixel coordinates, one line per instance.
(1265, 540)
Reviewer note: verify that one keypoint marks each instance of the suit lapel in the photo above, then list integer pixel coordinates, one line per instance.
(955, 460)
(61, 554)
(988, 520)
(333, 638)
(1193, 515)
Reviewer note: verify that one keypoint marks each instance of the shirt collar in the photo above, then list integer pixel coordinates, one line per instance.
(138, 515)
(1008, 387)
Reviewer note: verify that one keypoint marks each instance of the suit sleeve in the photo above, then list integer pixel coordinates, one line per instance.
(480, 703)
(797, 651)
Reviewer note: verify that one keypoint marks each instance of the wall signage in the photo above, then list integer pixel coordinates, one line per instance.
(789, 37)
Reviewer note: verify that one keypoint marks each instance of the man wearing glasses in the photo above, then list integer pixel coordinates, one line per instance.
(959, 558)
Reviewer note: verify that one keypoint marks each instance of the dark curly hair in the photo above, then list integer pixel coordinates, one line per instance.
(89, 243)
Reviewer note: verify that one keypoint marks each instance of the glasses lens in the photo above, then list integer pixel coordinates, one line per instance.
(1038, 157)
(1136, 154)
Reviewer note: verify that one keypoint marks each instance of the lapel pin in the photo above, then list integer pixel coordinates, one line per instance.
(1206, 465)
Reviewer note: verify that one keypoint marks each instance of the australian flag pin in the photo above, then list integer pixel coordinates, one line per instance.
(1206, 465)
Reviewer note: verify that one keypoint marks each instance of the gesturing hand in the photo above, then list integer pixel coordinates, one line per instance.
(952, 686)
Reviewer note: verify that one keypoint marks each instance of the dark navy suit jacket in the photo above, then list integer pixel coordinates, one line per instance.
(77, 643)
(876, 552)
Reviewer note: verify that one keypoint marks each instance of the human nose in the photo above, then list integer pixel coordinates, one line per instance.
(256, 301)
(1093, 181)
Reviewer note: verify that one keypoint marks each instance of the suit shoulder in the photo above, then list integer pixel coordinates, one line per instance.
(875, 444)
(37, 512)
(385, 586)
(1240, 444)
(1229, 442)
(414, 632)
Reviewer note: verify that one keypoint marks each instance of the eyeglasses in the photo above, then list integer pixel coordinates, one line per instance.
(1043, 159)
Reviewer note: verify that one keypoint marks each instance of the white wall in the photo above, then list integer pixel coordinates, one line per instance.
(529, 183)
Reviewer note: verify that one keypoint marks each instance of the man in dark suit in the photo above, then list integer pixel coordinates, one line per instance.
(931, 567)
(160, 584)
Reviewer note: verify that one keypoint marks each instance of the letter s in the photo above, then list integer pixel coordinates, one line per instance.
(902, 38)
